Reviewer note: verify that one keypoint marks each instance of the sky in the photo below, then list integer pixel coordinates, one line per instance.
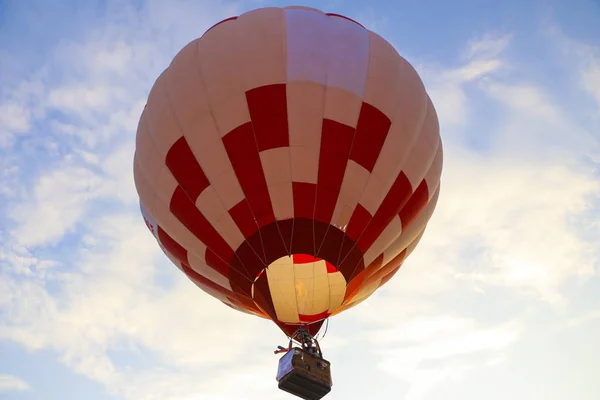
(500, 300)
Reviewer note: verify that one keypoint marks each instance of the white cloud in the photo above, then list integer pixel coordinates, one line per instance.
(17, 110)
(448, 349)
(10, 383)
(526, 98)
(488, 46)
(113, 299)
(57, 203)
(584, 57)
(584, 319)
(590, 76)
(81, 100)
(447, 86)
(14, 117)
(517, 211)
(500, 202)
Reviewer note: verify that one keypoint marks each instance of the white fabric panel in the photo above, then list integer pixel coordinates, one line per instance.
(231, 113)
(306, 45)
(373, 194)
(165, 185)
(186, 90)
(341, 46)
(276, 165)
(282, 200)
(383, 87)
(162, 124)
(433, 176)
(305, 164)
(220, 70)
(353, 184)
(342, 106)
(423, 152)
(347, 55)
(146, 155)
(305, 104)
(263, 47)
(156, 208)
(229, 230)
(212, 208)
(213, 159)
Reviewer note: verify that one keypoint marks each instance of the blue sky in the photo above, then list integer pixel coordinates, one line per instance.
(501, 299)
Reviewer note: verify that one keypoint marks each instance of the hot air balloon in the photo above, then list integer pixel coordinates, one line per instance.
(288, 162)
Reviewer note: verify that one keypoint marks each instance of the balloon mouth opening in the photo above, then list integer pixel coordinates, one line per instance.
(304, 289)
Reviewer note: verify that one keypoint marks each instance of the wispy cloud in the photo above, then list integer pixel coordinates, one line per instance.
(429, 351)
(447, 85)
(10, 383)
(584, 56)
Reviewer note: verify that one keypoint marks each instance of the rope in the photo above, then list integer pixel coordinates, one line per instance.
(326, 327)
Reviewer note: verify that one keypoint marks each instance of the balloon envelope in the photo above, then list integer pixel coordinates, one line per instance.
(288, 162)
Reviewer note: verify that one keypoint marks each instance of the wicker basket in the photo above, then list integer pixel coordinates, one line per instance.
(304, 375)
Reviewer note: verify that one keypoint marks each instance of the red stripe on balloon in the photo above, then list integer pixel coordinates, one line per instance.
(186, 212)
(185, 168)
(313, 318)
(215, 262)
(415, 204)
(371, 131)
(308, 259)
(268, 112)
(393, 202)
(304, 195)
(336, 140)
(172, 247)
(241, 149)
(358, 222)
(243, 217)
(330, 267)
